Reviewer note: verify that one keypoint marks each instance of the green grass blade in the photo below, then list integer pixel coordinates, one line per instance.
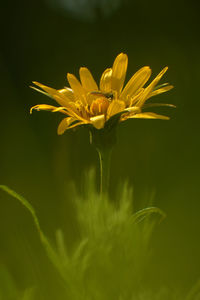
(49, 250)
(143, 213)
(24, 202)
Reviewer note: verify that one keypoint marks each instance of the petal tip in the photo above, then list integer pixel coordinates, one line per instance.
(122, 56)
(70, 75)
(165, 69)
(35, 82)
(82, 69)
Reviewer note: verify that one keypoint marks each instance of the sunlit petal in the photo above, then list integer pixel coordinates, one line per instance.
(98, 121)
(63, 101)
(119, 72)
(148, 115)
(133, 109)
(41, 91)
(160, 91)
(68, 93)
(79, 91)
(135, 98)
(105, 81)
(66, 124)
(158, 105)
(150, 87)
(48, 108)
(136, 82)
(85, 103)
(115, 107)
(87, 80)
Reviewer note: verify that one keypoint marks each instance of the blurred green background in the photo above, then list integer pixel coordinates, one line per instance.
(42, 41)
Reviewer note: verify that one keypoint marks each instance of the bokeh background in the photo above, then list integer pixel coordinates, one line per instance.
(42, 40)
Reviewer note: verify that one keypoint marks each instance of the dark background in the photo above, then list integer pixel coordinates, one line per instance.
(41, 41)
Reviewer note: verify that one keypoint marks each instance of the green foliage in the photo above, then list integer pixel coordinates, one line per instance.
(9, 290)
(194, 293)
(110, 255)
(49, 249)
(112, 249)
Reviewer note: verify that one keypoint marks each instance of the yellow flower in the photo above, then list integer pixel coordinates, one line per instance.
(84, 103)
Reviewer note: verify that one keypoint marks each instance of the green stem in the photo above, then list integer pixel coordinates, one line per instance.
(104, 159)
(104, 140)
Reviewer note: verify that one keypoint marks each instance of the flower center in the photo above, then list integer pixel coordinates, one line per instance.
(99, 106)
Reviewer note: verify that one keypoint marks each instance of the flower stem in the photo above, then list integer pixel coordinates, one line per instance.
(104, 141)
(104, 159)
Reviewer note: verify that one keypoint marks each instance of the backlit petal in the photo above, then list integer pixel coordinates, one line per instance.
(77, 88)
(119, 72)
(136, 82)
(98, 121)
(115, 107)
(160, 91)
(135, 98)
(48, 108)
(84, 103)
(41, 91)
(66, 124)
(87, 80)
(133, 109)
(159, 105)
(68, 93)
(63, 101)
(105, 81)
(150, 87)
(147, 115)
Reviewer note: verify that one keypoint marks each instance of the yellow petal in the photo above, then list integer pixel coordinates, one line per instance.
(48, 108)
(150, 87)
(77, 88)
(148, 115)
(68, 93)
(136, 82)
(87, 80)
(133, 109)
(98, 121)
(63, 101)
(135, 98)
(40, 91)
(105, 81)
(129, 111)
(115, 107)
(119, 72)
(160, 91)
(159, 105)
(65, 124)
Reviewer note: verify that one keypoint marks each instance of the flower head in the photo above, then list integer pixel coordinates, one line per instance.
(86, 103)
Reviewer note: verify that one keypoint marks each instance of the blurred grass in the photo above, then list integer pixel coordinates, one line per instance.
(110, 257)
(111, 249)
